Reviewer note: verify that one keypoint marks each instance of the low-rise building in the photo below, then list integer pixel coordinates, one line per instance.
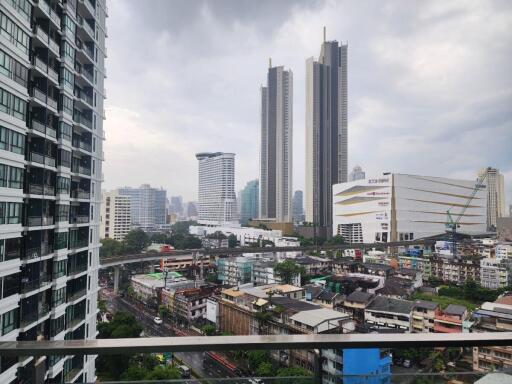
(147, 287)
(263, 272)
(396, 288)
(495, 273)
(356, 303)
(455, 271)
(184, 262)
(314, 265)
(492, 317)
(388, 313)
(190, 304)
(235, 270)
(419, 262)
(423, 316)
(450, 320)
(414, 275)
(504, 251)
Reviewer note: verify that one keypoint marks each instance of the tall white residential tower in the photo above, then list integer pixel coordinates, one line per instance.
(216, 192)
(52, 70)
(276, 145)
(115, 216)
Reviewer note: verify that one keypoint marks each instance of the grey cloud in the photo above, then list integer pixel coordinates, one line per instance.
(429, 84)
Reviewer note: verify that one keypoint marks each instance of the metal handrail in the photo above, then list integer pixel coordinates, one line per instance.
(253, 342)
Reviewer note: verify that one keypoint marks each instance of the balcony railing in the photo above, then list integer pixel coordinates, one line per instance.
(80, 194)
(38, 126)
(53, 74)
(42, 34)
(79, 219)
(79, 244)
(76, 269)
(38, 94)
(30, 285)
(40, 64)
(75, 295)
(38, 221)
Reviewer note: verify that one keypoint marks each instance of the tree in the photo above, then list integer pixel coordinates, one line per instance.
(163, 373)
(255, 358)
(208, 330)
(136, 240)
(265, 369)
(102, 306)
(182, 227)
(336, 240)
(287, 270)
(123, 325)
(292, 372)
(232, 241)
(163, 311)
(111, 247)
(212, 277)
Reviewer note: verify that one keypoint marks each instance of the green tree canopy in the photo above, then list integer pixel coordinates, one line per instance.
(232, 241)
(111, 247)
(208, 330)
(255, 358)
(287, 270)
(265, 369)
(136, 240)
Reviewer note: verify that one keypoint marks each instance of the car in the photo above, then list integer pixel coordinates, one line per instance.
(185, 371)
(407, 363)
(157, 320)
(399, 361)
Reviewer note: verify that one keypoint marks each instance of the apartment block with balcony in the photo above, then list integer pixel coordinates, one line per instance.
(423, 316)
(492, 317)
(115, 216)
(387, 313)
(51, 137)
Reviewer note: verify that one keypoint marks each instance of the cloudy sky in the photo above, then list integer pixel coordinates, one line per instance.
(430, 85)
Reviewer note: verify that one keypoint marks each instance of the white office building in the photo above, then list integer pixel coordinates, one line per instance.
(115, 216)
(397, 207)
(52, 70)
(495, 195)
(216, 192)
(276, 146)
(148, 206)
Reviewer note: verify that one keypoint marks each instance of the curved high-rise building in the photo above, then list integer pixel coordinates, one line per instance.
(52, 70)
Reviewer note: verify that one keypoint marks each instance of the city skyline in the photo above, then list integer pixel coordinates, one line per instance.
(397, 99)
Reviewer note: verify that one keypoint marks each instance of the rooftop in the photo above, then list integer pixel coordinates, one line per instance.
(386, 304)
(424, 304)
(359, 297)
(315, 317)
(454, 309)
(293, 304)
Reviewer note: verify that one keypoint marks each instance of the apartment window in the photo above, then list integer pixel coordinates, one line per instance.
(62, 212)
(3, 175)
(16, 177)
(58, 297)
(23, 8)
(4, 138)
(9, 321)
(63, 185)
(3, 212)
(68, 79)
(57, 325)
(17, 143)
(20, 73)
(59, 268)
(5, 64)
(69, 25)
(13, 213)
(64, 131)
(69, 52)
(64, 158)
(5, 101)
(67, 105)
(61, 240)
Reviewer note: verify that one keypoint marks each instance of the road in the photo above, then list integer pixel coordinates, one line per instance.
(193, 359)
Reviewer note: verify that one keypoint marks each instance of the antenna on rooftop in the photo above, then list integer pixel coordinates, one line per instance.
(270, 62)
(325, 33)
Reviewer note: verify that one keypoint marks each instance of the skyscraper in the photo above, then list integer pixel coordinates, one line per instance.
(216, 192)
(276, 145)
(148, 210)
(52, 71)
(356, 174)
(326, 130)
(298, 207)
(176, 206)
(249, 201)
(495, 195)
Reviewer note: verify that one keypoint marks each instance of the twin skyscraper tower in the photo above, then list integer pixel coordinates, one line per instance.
(326, 137)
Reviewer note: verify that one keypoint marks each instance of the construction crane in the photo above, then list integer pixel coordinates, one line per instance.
(451, 223)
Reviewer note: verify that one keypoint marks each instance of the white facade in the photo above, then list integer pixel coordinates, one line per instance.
(217, 199)
(398, 207)
(495, 195)
(115, 216)
(504, 251)
(52, 72)
(276, 152)
(494, 273)
(212, 310)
